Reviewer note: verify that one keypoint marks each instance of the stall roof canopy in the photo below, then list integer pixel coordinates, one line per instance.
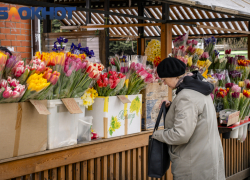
(181, 15)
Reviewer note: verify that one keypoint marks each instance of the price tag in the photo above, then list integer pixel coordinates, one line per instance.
(40, 107)
(123, 99)
(72, 106)
(233, 118)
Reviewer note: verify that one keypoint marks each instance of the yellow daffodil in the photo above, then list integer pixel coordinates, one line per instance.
(89, 96)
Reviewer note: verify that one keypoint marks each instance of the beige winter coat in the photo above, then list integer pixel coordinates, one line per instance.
(191, 131)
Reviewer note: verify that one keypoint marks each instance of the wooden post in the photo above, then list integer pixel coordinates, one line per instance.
(88, 14)
(166, 39)
(141, 40)
(248, 37)
(166, 48)
(106, 8)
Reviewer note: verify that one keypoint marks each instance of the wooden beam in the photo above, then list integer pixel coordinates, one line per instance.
(61, 157)
(106, 22)
(88, 14)
(222, 29)
(121, 25)
(123, 36)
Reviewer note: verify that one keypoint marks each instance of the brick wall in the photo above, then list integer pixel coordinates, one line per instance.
(16, 33)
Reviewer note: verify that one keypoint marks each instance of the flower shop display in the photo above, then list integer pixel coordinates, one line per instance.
(110, 84)
(60, 42)
(112, 118)
(3, 59)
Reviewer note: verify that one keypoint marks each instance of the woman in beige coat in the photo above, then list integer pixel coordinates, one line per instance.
(191, 125)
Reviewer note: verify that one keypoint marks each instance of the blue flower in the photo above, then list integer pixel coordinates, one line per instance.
(79, 46)
(65, 40)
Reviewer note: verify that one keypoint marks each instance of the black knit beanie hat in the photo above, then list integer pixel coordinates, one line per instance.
(171, 67)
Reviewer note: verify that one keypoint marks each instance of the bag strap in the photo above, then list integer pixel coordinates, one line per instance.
(162, 110)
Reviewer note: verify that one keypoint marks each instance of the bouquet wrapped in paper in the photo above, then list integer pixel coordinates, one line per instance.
(220, 63)
(3, 59)
(209, 44)
(229, 92)
(192, 42)
(35, 84)
(109, 84)
(153, 49)
(21, 71)
(11, 90)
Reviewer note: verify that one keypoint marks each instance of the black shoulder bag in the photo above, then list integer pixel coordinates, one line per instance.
(158, 157)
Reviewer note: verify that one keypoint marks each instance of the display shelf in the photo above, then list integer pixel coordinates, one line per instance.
(225, 129)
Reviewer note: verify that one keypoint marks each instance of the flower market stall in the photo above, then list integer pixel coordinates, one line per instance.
(74, 112)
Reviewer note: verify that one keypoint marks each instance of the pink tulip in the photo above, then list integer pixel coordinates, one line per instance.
(3, 83)
(69, 72)
(19, 71)
(236, 88)
(7, 93)
(14, 83)
(9, 79)
(15, 94)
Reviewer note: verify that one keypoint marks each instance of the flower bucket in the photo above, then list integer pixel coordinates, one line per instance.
(242, 121)
(243, 138)
(240, 134)
(226, 135)
(234, 133)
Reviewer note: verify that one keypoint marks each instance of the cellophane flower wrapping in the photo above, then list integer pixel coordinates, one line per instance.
(229, 92)
(110, 84)
(181, 40)
(10, 64)
(243, 67)
(221, 63)
(89, 97)
(35, 84)
(221, 75)
(235, 97)
(11, 90)
(221, 97)
(3, 59)
(114, 61)
(138, 78)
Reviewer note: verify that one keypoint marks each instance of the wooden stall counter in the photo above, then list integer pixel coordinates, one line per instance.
(122, 157)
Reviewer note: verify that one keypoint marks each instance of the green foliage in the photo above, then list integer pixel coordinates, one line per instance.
(56, 24)
(122, 47)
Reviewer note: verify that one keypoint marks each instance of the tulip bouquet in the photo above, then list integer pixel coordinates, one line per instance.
(235, 76)
(11, 90)
(115, 62)
(192, 43)
(243, 66)
(88, 76)
(229, 92)
(220, 63)
(227, 52)
(138, 78)
(181, 40)
(191, 50)
(109, 84)
(10, 63)
(221, 99)
(35, 84)
(235, 97)
(220, 75)
(20, 71)
(244, 101)
(124, 64)
(52, 78)
(3, 59)
(209, 45)
(231, 63)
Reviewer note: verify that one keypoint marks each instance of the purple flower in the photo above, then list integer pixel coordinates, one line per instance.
(235, 94)
(229, 85)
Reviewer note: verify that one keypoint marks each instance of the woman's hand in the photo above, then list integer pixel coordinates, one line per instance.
(167, 103)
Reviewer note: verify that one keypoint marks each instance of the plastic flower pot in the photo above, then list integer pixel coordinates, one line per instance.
(226, 135)
(243, 138)
(240, 134)
(234, 133)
